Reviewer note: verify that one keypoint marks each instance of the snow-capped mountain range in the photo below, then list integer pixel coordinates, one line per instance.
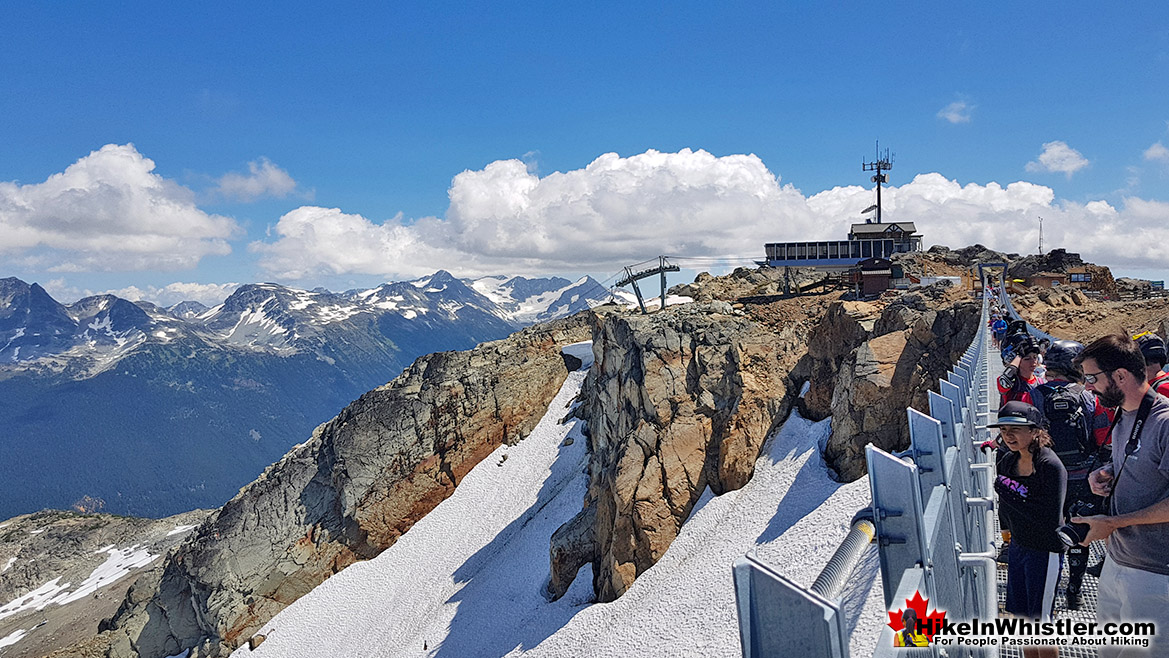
(157, 411)
(36, 330)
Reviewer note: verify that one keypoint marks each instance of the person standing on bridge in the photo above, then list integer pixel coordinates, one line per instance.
(1134, 585)
(1079, 427)
(1153, 349)
(1030, 484)
(1018, 381)
(998, 328)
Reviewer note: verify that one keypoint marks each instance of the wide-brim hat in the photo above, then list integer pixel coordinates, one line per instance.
(1018, 414)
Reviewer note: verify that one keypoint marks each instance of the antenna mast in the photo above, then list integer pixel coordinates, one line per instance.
(1040, 236)
(881, 164)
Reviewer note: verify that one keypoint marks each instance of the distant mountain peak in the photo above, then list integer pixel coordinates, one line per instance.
(187, 310)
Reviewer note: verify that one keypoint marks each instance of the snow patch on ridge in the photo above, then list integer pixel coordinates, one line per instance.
(470, 577)
(479, 557)
(120, 563)
(13, 637)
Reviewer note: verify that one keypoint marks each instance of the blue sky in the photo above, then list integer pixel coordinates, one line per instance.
(230, 142)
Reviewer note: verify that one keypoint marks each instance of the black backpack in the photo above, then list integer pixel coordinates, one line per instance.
(1067, 423)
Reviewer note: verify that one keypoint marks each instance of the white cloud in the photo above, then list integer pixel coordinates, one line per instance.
(264, 179)
(1058, 157)
(208, 294)
(956, 112)
(109, 211)
(618, 211)
(1157, 152)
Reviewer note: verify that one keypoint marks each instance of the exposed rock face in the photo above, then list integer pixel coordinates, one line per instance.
(846, 326)
(360, 482)
(676, 402)
(912, 345)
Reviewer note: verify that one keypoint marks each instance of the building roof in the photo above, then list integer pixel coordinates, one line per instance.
(887, 227)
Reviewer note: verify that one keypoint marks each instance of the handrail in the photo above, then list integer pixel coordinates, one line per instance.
(932, 519)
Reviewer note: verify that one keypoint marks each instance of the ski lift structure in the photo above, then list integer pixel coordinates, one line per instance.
(631, 278)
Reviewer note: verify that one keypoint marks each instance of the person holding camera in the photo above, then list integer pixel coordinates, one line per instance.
(1134, 585)
(1079, 429)
(1018, 381)
(1030, 484)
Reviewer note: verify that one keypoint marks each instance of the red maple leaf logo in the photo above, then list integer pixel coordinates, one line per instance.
(929, 623)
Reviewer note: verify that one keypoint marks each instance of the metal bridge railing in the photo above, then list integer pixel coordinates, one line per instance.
(932, 516)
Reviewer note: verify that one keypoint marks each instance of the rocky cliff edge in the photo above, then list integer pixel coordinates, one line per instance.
(349, 492)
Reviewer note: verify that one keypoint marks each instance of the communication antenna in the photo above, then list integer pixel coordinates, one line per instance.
(880, 165)
(1040, 236)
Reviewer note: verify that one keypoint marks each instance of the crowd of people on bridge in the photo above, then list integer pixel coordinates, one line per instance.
(1083, 455)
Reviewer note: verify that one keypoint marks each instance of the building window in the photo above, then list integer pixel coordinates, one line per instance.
(867, 249)
(823, 249)
(855, 248)
(834, 250)
(801, 251)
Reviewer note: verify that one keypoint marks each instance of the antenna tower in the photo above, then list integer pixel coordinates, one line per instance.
(1040, 236)
(880, 165)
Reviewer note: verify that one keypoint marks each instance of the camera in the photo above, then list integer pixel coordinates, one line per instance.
(1072, 534)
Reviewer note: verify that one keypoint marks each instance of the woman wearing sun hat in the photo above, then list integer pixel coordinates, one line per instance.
(1031, 484)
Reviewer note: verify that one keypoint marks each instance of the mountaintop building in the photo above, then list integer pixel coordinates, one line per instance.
(866, 240)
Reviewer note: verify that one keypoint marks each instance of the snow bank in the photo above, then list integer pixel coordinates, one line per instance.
(469, 579)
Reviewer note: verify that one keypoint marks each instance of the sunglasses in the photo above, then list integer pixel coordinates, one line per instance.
(1092, 377)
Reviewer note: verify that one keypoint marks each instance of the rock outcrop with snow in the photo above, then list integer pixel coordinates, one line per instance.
(361, 481)
(61, 573)
(676, 402)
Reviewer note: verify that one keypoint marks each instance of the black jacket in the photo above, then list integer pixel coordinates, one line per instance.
(1031, 506)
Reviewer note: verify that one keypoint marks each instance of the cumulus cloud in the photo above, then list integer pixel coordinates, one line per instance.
(208, 294)
(956, 112)
(109, 211)
(1157, 153)
(1058, 157)
(264, 179)
(618, 211)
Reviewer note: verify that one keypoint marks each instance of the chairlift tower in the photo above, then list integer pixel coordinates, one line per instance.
(880, 165)
(632, 277)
